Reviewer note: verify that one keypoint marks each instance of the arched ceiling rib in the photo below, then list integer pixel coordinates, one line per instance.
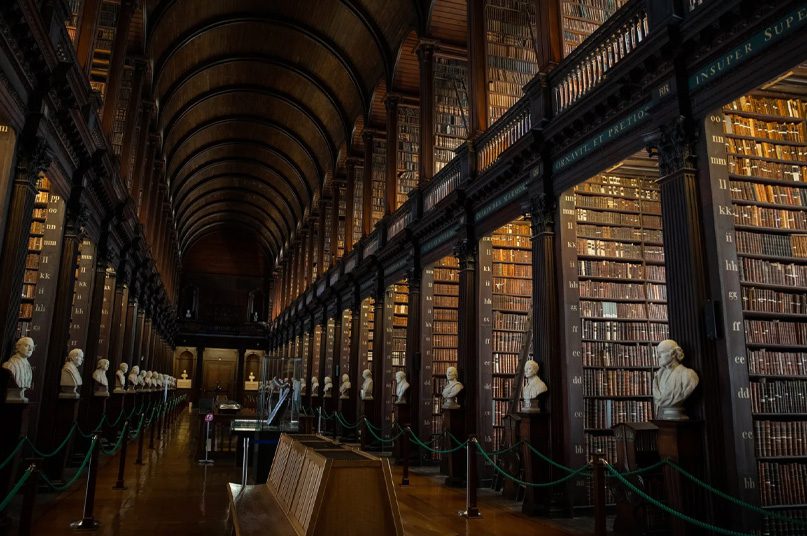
(257, 98)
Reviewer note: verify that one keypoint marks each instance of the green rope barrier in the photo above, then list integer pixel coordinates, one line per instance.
(16, 489)
(14, 452)
(734, 500)
(423, 445)
(57, 449)
(643, 470)
(116, 447)
(549, 460)
(455, 440)
(94, 430)
(517, 480)
(382, 440)
(507, 449)
(660, 505)
(344, 423)
(67, 485)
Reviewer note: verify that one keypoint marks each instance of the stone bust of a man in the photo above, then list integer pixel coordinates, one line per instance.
(533, 388)
(120, 377)
(673, 383)
(344, 387)
(452, 389)
(71, 376)
(367, 385)
(100, 379)
(314, 386)
(401, 387)
(20, 370)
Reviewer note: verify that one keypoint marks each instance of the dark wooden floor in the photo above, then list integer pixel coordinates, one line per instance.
(172, 495)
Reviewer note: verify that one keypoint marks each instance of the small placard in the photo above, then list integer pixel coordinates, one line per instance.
(183, 384)
(250, 386)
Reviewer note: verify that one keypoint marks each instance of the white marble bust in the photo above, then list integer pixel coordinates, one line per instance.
(160, 380)
(184, 374)
(141, 380)
(673, 383)
(120, 378)
(251, 376)
(314, 386)
(452, 389)
(71, 376)
(344, 387)
(20, 370)
(401, 387)
(134, 378)
(101, 383)
(328, 387)
(533, 387)
(367, 385)
(148, 380)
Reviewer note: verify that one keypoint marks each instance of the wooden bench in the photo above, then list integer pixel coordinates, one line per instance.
(317, 487)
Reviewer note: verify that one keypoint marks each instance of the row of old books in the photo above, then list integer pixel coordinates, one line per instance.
(606, 354)
(616, 330)
(512, 287)
(618, 203)
(623, 310)
(630, 234)
(623, 291)
(768, 193)
(778, 151)
(779, 396)
(775, 332)
(775, 363)
(613, 382)
(773, 301)
(505, 362)
(783, 245)
(620, 270)
(771, 130)
(647, 221)
(764, 169)
(773, 273)
(784, 107)
(602, 414)
(780, 439)
(782, 483)
(770, 217)
(509, 321)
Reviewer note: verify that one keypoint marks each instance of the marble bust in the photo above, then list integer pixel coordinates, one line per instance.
(134, 378)
(326, 390)
(533, 387)
(251, 376)
(314, 386)
(184, 374)
(673, 383)
(148, 380)
(344, 387)
(120, 378)
(452, 389)
(20, 370)
(367, 385)
(71, 376)
(401, 387)
(99, 378)
(141, 379)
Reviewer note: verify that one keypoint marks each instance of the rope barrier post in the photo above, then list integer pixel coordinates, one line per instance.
(319, 420)
(471, 477)
(139, 459)
(88, 521)
(119, 483)
(404, 439)
(599, 495)
(28, 501)
(151, 430)
(160, 415)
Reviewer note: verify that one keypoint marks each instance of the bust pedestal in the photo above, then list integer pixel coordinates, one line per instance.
(401, 447)
(367, 411)
(14, 417)
(117, 402)
(348, 409)
(66, 413)
(534, 429)
(454, 423)
(249, 385)
(187, 384)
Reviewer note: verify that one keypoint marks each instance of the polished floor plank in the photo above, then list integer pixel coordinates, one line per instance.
(172, 495)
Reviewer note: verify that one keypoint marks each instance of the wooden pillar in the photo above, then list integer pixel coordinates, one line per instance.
(31, 159)
(350, 196)
(367, 185)
(334, 230)
(321, 242)
(137, 349)
(413, 334)
(144, 157)
(132, 145)
(116, 322)
(115, 76)
(239, 375)
(390, 202)
(379, 384)
(85, 43)
(425, 52)
(130, 325)
(549, 34)
(468, 351)
(336, 370)
(477, 61)
(94, 322)
(353, 359)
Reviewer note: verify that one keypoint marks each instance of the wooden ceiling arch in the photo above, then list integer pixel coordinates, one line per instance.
(245, 207)
(222, 215)
(231, 194)
(218, 226)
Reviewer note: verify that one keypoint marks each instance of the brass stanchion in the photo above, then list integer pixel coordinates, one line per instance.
(599, 495)
(139, 459)
(119, 483)
(28, 501)
(151, 431)
(88, 521)
(471, 508)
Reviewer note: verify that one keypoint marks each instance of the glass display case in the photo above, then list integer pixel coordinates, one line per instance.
(279, 397)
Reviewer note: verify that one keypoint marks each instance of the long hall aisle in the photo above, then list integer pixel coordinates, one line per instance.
(169, 494)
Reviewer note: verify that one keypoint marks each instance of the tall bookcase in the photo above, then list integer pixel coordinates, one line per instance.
(80, 313)
(619, 276)
(510, 30)
(329, 354)
(766, 143)
(379, 173)
(317, 354)
(344, 351)
(396, 318)
(450, 108)
(342, 227)
(505, 258)
(366, 334)
(305, 346)
(358, 207)
(408, 151)
(440, 302)
(102, 55)
(122, 112)
(105, 326)
(74, 8)
(580, 18)
(326, 239)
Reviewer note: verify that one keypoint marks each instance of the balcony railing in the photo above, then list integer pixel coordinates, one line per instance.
(590, 63)
(400, 219)
(507, 130)
(445, 182)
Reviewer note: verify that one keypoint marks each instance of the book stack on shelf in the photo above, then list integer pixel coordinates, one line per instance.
(74, 8)
(344, 353)
(766, 141)
(408, 151)
(32, 260)
(82, 289)
(510, 29)
(622, 300)
(379, 173)
(326, 239)
(304, 349)
(330, 334)
(102, 55)
(396, 319)
(580, 18)
(316, 351)
(341, 226)
(450, 108)
(511, 304)
(367, 334)
(358, 206)
(121, 111)
(314, 248)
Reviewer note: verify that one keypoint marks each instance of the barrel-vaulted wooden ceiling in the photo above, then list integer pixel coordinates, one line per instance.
(258, 99)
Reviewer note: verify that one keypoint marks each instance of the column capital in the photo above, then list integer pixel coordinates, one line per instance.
(541, 210)
(466, 251)
(674, 145)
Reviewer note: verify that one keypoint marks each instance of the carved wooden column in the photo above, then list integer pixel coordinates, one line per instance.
(350, 196)
(391, 193)
(353, 411)
(379, 385)
(115, 76)
(320, 242)
(334, 230)
(477, 61)
(131, 312)
(94, 322)
(468, 352)
(31, 160)
(549, 34)
(310, 362)
(336, 370)
(413, 335)
(115, 329)
(425, 52)
(130, 145)
(137, 346)
(367, 185)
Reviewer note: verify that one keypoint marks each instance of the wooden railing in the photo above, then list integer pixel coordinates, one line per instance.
(508, 129)
(589, 64)
(400, 219)
(445, 182)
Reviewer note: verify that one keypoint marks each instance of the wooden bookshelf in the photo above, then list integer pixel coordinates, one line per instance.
(505, 257)
(366, 335)
(408, 151)
(358, 206)
(379, 173)
(122, 112)
(326, 239)
(510, 30)
(440, 302)
(580, 18)
(74, 8)
(450, 108)
(341, 226)
(105, 328)
(396, 319)
(766, 144)
(344, 351)
(317, 353)
(305, 346)
(82, 291)
(102, 55)
(330, 336)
